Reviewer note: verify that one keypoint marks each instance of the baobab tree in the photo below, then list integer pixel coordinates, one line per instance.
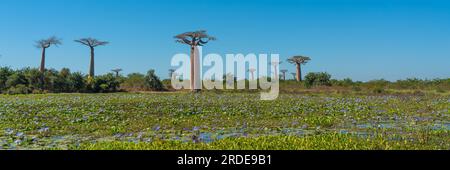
(284, 73)
(117, 71)
(275, 65)
(171, 73)
(298, 61)
(44, 44)
(91, 43)
(252, 72)
(194, 39)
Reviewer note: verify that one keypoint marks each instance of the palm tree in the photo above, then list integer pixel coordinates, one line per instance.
(44, 44)
(284, 73)
(298, 61)
(117, 71)
(194, 39)
(91, 43)
(252, 72)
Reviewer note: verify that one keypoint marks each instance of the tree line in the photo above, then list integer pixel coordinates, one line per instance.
(33, 80)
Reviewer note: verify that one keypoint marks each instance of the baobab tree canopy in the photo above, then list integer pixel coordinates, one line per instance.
(46, 43)
(91, 42)
(116, 70)
(299, 60)
(196, 38)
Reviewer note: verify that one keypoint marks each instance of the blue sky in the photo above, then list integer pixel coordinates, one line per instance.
(360, 39)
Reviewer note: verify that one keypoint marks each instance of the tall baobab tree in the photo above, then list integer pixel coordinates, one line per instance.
(298, 61)
(117, 71)
(194, 39)
(44, 44)
(284, 73)
(91, 43)
(275, 66)
(252, 72)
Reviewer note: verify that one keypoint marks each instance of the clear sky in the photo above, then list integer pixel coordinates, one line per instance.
(360, 39)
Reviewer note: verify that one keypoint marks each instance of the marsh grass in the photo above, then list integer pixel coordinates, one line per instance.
(45, 121)
(333, 141)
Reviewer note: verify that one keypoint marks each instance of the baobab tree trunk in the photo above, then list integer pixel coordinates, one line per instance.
(253, 76)
(192, 67)
(197, 66)
(299, 73)
(91, 68)
(195, 70)
(276, 72)
(284, 75)
(42, 68)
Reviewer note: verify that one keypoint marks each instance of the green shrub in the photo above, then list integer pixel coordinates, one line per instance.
(356, 88)
(18, 78)
(18, 89)
(105, 83)
(317, 79)
(378, 90)
(152, 81)
(134, 82)
(347, 82)
(77, 82)
(5, 72)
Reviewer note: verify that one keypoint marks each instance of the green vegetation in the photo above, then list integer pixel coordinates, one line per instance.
(222, 120)
(333, 141)
(31, 80)
(317, 79)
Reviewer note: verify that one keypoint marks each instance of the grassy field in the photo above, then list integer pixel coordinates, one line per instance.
(220, 120)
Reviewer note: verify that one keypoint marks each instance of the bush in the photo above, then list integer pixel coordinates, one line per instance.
(378, 90)
(34, 78)
(347, 82)
(152, 81)
(77, 82)
(134, 82)
(356, 88)
(317, 79)
(18, 78)
(5, 72)
(105, 83)
(18, 89)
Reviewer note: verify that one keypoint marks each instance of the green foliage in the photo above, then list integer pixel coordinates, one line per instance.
(134, 82)
(77, 82)
(32, 80)
(18, 78)
(332, 141)
(152, 81)
(18, 89)
(224, 121)
(5, 72)
(317, 79)
(347, 82)
(105, 83)
(64, 81)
